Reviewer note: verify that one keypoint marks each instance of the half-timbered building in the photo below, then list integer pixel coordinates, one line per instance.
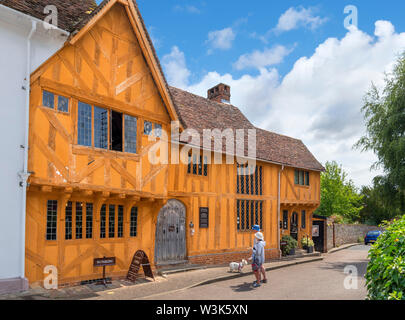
(98, 107)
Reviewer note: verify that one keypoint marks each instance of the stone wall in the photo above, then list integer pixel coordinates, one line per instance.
(347, 233)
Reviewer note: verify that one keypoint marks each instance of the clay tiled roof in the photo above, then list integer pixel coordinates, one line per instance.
(70, 12)
(200, 113)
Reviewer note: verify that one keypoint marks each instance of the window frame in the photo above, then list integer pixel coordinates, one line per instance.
(51, 224)
(133, 223)
(56, 101)
(109, 126)
(193, 167)
(248, 213)
(302, 178)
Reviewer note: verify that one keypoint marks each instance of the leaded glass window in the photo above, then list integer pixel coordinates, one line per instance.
(111, 221)
(158, 130)
(134, 222)
(51, 219)
(84, 125)
(63, 104)
(103, 221)
(48, 99)
(79, 220)
(100, 128)
(120, 230)
(68, 221)
(147, 127)
(130, 134)
(89, 220)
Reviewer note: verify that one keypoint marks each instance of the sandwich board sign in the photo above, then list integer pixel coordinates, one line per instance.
(140, 259)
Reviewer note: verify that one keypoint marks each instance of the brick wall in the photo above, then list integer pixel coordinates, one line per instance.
(224, 258)
(347, 233)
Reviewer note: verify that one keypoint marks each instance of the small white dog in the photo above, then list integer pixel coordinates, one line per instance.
(235, 266)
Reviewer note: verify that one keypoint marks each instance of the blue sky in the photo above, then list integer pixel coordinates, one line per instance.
(292, 66)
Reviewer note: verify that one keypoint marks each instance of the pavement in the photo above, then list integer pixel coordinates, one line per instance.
(165, 283)
(339, 276)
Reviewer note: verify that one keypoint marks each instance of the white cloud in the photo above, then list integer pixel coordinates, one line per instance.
(175, 66)
(221, 39)
(259, 59)
(319, 100)
(295, 18)
(187, 8)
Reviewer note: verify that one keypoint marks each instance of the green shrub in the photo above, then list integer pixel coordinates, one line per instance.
(385, 276)
(360, 239)
(307, 242)
(291, 244)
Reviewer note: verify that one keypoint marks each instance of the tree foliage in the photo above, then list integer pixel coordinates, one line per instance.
(338, 194)
(381, 202)
(384, 113)
(385, 276)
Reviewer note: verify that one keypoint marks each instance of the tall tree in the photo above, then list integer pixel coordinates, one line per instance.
(380, 202)
(384, 113)
(338, 194)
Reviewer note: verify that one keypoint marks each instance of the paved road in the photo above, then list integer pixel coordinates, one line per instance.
(323, 280)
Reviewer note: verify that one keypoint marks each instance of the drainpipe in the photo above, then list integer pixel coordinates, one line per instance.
(25, 174)
(278, 206)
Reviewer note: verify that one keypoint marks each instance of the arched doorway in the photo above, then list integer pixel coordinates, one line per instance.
(170, 246)
(294, 225)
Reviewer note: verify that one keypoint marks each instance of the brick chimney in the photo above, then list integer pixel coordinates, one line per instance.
(220, 93)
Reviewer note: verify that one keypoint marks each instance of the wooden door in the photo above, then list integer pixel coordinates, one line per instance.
(170, 247)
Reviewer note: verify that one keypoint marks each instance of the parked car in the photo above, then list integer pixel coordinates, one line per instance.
(371, 237)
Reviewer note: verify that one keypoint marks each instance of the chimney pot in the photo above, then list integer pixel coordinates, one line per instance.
(220, 93)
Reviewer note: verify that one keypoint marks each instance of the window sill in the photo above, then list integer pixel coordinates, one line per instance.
(301, 186)
(82, 150)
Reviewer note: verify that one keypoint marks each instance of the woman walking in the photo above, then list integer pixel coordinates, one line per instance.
(258, 258)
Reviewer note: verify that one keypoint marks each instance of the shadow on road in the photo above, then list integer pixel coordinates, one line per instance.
(340, 266)
(243, 287)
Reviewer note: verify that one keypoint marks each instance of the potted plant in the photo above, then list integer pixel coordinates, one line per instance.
(307, 244)
(289, 245)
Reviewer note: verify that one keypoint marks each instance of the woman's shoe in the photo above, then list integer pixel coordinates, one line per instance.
(255, 285)
(264, 281)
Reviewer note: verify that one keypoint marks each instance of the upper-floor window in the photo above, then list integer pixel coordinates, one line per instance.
(197, 165)
(249, 180)
(106, 129)
(150, 128)
(55, 102)
(301, 177)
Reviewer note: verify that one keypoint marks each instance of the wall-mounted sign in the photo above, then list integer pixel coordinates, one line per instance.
(204, 217)
(140, 259)
(315, 231)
